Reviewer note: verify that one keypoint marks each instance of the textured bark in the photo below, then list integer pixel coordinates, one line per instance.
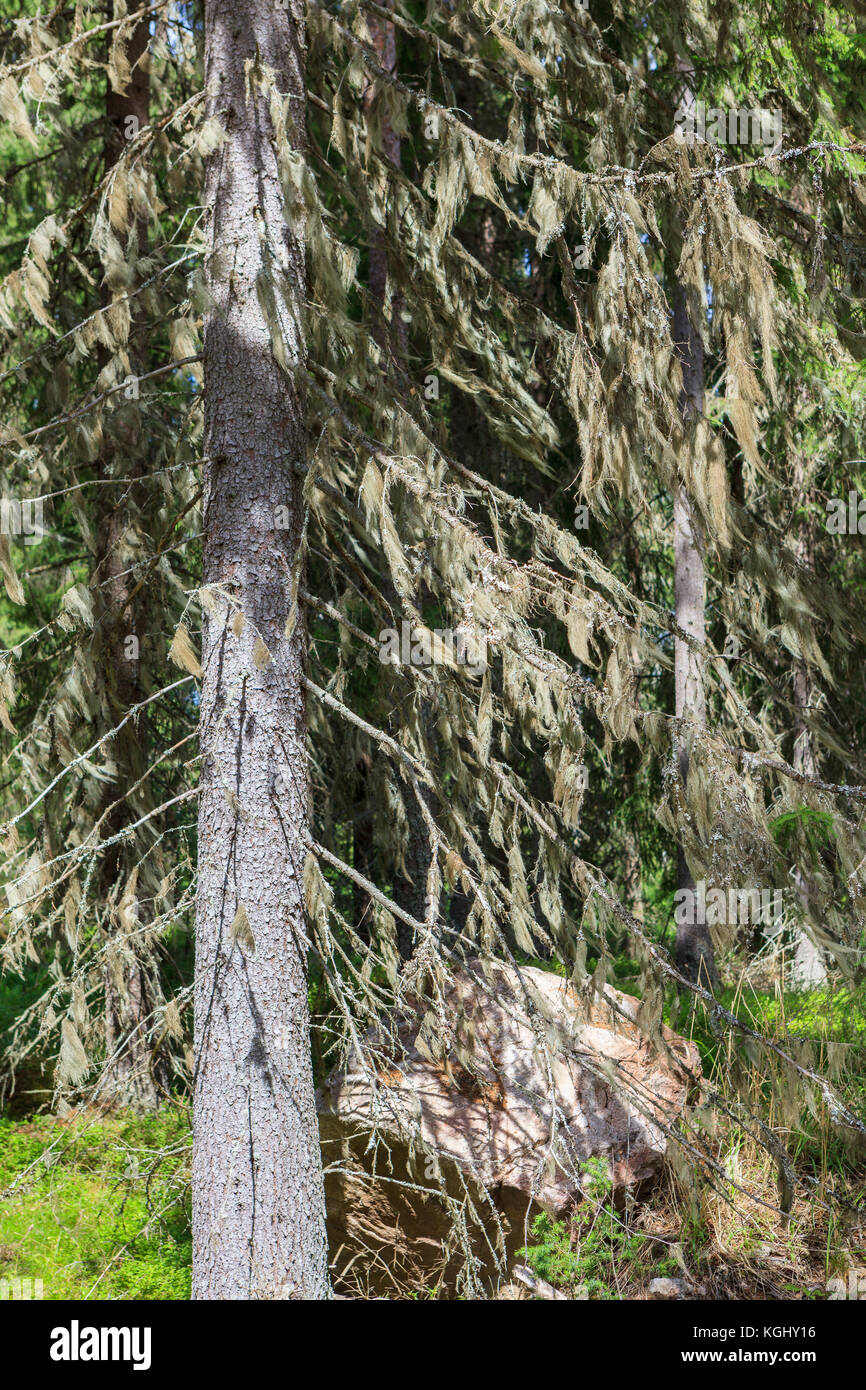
(694, 949)
(132, 1075)
(258, 1199)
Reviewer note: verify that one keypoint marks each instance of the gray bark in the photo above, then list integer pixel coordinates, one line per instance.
(258, 1198)
(694, 949)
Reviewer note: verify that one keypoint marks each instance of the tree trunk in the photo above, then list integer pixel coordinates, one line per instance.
(258, 1198)
(410, 891)
(131, 982)
(384, 41)
(632, 880)
(363, 849)
(631, 848)
(809, 969)
(694, 949)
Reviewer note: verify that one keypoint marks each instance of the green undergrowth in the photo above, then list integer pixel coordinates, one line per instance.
(96, 1207)
(594, 1253)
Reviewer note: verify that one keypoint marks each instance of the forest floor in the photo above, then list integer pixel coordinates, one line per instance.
(96, 1205)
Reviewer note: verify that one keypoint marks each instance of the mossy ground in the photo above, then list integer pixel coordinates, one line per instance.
(97, 1206)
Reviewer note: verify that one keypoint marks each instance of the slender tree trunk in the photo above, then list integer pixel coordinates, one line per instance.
(363, 849)
(809, 969)
(258, 1198)
(632, 880)
(631, 849)
(410, 890)
(131, 981)
(384, 41)
(694, 949)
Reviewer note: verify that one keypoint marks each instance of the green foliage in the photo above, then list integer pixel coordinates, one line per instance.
(593, 1252)
(97, 1207)
(817, 827)
(823, 1014)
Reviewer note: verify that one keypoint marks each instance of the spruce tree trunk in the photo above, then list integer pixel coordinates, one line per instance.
(131, 981)
(694, 949)
(258, 1198)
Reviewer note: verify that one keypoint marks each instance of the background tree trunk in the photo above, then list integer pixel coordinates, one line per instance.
(258, 1199)
(694, 949)
(131, 982)
(410, 890)
(395, 342)
(809, 969)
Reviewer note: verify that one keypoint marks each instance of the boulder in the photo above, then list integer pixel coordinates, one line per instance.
(528, 1082)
